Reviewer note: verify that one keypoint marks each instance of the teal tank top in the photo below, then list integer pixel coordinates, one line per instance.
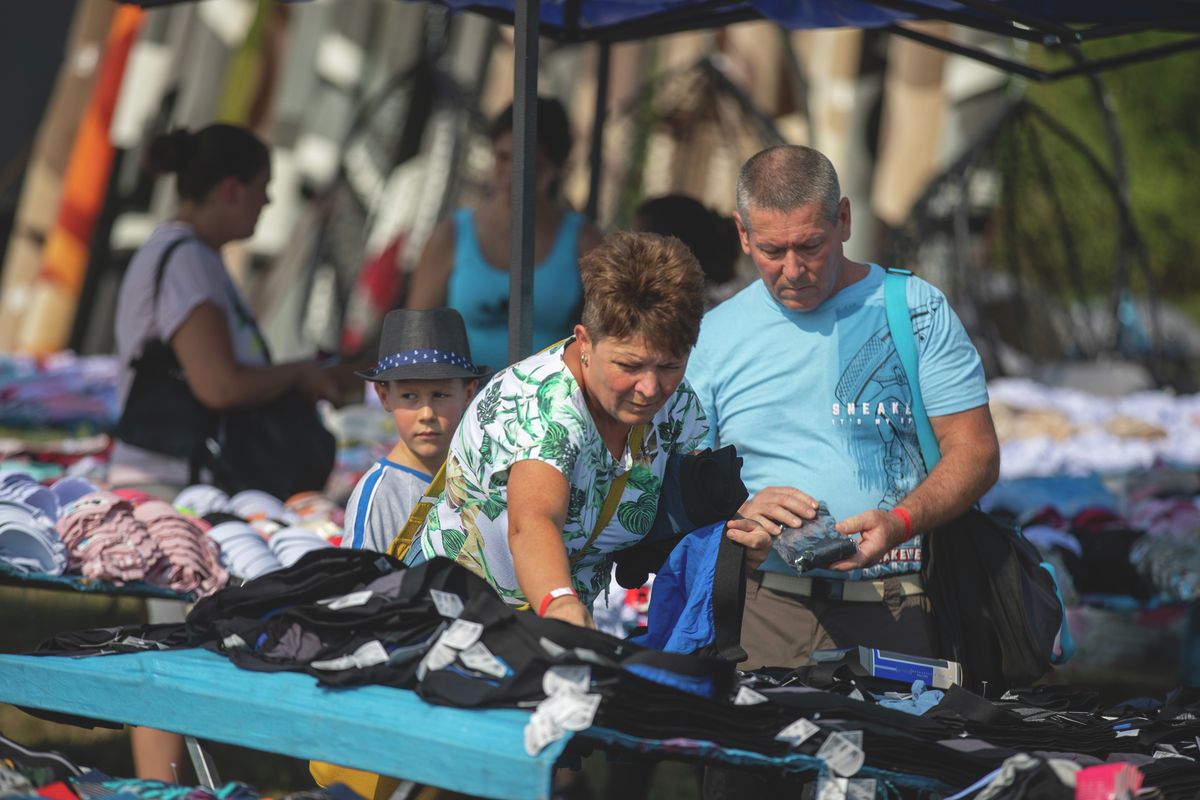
(479, 291)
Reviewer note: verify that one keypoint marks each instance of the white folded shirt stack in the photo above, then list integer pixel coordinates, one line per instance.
(244, 552)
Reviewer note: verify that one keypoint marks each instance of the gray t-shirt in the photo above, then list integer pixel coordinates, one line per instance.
(381, 503)
(194, 274)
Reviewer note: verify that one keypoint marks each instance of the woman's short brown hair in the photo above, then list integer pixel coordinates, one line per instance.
(643, 284)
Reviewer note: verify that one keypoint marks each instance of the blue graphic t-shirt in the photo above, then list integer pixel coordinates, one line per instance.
(818, 400)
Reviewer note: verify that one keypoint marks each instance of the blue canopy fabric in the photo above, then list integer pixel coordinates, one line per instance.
(586, 19)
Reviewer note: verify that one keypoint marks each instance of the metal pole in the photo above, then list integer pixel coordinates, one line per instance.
(526, 20)
(596, 157)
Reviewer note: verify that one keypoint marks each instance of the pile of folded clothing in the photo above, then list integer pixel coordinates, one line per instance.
(256, 532)
(111, 538)
(350, 617)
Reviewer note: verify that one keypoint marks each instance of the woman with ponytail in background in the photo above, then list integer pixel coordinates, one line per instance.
(192, 306)
(177, 301)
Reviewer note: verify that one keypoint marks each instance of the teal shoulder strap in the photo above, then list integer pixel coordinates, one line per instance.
(895, 299)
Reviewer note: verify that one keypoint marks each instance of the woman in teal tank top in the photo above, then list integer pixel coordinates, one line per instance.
(465, 262)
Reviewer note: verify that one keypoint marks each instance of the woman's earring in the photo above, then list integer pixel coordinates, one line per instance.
(583, 359)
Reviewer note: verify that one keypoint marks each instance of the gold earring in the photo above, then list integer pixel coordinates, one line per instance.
(583, 359)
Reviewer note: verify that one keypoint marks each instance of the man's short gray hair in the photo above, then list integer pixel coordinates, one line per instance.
(787, 177)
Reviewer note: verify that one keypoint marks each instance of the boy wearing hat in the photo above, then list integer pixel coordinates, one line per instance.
(425, 379)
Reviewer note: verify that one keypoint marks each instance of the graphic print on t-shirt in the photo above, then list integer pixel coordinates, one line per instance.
(873, 405)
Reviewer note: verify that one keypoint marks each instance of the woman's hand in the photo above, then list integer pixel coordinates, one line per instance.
(754, 537)
(570, 609)
(779, 505)
(320, 383)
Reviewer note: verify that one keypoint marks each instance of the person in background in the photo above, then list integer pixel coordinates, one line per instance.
(424, 378)
(464, 265)
(548, 441)
(712, 238)
(222, 173)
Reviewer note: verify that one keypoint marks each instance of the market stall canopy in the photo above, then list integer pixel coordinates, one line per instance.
(1063, 24)
(1053, 23)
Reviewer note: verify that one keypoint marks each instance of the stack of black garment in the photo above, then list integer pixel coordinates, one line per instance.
(355, 617)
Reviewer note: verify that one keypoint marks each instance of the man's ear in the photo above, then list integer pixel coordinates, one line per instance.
(743, 234)
(844, 218)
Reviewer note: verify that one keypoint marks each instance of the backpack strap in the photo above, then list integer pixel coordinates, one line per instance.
(194, 460)
(895, 300)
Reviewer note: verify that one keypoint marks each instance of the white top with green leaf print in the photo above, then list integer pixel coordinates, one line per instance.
(535, 410)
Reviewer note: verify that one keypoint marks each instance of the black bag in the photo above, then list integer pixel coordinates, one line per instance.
(279, 447)
(161, 414)
(996, 609)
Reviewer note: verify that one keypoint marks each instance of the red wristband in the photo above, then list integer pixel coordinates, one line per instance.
(906, 518)
(553, 595)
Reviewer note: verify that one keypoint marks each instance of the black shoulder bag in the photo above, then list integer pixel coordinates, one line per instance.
(161, 414)
(996, 604)
(280, 447)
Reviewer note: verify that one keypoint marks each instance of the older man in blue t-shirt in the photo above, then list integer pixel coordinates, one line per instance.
(799, 372)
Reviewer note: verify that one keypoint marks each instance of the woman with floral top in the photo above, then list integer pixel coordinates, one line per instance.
(558, 462)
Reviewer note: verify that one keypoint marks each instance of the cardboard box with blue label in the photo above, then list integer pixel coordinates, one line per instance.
(937, 673)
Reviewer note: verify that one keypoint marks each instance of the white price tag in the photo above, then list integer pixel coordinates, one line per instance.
(480, 659)
(590, 656)
(462, 634)
(571, 711)
(860, 789)
(560, 678)
(553, 649)
(846, 789)
(842, 754)
(798, 732)
(447, 604)
(540, 731)
(748, 697)
(439, 657)
(832, 788)
(347, 600)
(368, 655)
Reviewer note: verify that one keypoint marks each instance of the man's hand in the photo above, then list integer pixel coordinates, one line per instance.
(754, 537)
(881, 531)
(777, 506)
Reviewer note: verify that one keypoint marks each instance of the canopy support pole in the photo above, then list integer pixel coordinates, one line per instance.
(596, 156)
(526, 22)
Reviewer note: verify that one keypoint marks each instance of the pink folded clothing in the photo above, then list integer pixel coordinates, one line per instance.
(190, 560)
(104, 541)
(110, 539)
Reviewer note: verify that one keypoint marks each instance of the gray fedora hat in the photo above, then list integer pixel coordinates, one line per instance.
(423, 345)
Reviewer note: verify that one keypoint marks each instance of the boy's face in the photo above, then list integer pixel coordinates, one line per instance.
(426, 412)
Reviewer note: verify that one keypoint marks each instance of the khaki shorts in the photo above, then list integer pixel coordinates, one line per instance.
(780, 629)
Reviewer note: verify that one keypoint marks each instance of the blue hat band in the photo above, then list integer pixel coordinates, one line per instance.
(408, 358)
